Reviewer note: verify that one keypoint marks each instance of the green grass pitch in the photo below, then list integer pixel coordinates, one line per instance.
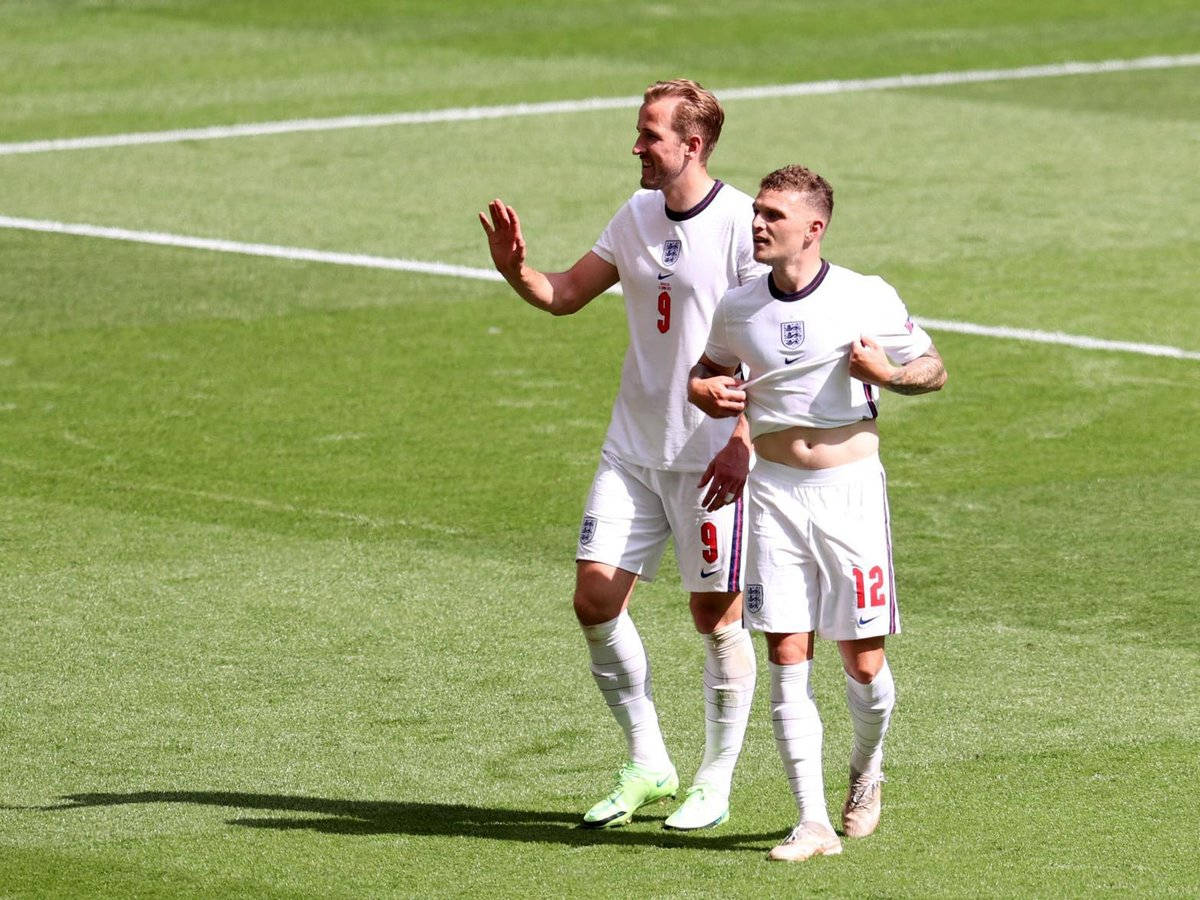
(285, 547)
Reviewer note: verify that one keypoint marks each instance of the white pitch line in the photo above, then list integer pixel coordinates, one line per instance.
(474, 113)
(274, 251)
(1057, 337)
(366, 261)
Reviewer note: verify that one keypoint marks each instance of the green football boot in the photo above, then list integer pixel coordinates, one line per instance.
(635, 788)
(703, 807)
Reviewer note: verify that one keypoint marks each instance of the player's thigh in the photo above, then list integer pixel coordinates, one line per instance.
(624, 524)
(782, 587)
(709, 545)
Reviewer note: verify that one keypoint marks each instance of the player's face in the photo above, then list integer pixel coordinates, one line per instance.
(785, 224)
(662, 151)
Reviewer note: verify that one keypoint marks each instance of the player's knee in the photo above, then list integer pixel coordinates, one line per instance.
(865, 669)
(600, 595)
(862, 659)
(712, 611)
(589, 610)
(861, 674)
(704, 621)
(789, 648)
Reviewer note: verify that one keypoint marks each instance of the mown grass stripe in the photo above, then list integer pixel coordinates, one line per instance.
(363, 260)
(473, 113)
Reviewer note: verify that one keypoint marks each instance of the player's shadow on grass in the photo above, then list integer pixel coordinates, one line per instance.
(371, 817)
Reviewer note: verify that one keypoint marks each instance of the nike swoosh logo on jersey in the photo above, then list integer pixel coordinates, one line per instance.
(788, 362)
(704, 574)
(862, 621)
(662, 277)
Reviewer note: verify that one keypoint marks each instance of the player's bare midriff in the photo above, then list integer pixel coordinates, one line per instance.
(804, 447)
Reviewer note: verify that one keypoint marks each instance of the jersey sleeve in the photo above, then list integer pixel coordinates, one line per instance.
(893, 328)
(606, 245)
(717, 348)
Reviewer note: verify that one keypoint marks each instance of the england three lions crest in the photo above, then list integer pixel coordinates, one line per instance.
(671, 252)
(792, 335)
(587, 530)
(754, 597)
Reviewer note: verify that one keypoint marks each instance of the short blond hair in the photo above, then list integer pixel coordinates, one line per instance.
(806, 181)
(698, 111)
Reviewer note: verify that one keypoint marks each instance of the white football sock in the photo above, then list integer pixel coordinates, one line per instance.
(729, 670)
(622, 672)
(870, 711)
(798, 735)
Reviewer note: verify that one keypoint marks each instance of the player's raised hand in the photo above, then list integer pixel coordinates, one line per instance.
(505, 241)
(869, 362)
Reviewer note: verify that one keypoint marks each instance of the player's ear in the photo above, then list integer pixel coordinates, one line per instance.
(695, 145)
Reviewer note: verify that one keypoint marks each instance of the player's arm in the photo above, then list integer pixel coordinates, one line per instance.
(714, 390)
(727, 472)
(558, 293)
(869, 363)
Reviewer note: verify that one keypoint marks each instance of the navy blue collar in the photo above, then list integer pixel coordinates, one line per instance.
(803, 292)
(698, 208)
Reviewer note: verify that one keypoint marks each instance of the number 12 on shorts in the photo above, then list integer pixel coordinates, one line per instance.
(869, 585)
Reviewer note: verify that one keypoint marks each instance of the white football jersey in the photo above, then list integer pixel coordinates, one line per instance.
(797, 346)
(674, 268)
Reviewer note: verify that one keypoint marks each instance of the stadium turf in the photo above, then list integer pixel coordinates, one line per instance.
(285, 547)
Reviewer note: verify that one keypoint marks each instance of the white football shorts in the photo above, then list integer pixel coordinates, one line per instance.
(631, 512)
(819, 551)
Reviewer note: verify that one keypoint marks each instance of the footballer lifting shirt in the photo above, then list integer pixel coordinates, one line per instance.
(797, 346)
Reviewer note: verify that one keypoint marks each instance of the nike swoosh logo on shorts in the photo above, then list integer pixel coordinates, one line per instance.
(862, 621)
(704, 574)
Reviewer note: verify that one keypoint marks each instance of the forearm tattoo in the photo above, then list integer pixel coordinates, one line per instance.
(925, 373)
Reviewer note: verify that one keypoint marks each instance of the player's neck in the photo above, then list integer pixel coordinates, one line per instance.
(688, 189)
(796, 273)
